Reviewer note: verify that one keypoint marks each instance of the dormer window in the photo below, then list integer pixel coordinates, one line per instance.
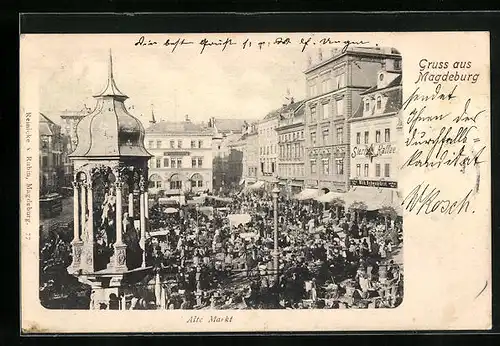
(381, 77)
(379, 101)
(367, 105)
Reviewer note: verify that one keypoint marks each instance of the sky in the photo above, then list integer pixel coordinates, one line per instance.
(235, 83)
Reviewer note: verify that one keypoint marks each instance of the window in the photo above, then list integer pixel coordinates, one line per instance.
(377, 136)
(340, 166)
(366, 137)
(313, 114)
(172, 144)
(313, 166)
(387, 168)
(262, 167)
(377, 170)
(365, 170)
(197, 180)
(340, 135)
(340, 81)
(387, 135)
(150, 144)
(326, 166)
(367, 106)
(381, 77)
(340, 107)
(158, 163)
(313, 138)
(200, 144)
(301, 134)
(326, 133)
(358, 170)
(200, 162)
(325, 114)
(379, 101)
(397, 64)
(358, 137)
(172, 163)
(324, 85)
(179, 163)
(175, 182)
(179, 144)
(165, 161)
(193, 144)
(193, 163)
(272, 166)
(158, 144)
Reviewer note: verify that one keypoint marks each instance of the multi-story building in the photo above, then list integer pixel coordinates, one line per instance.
(290, 132)
(182, 161)
(227, 151)
(51, 171)
(268, 148)
(251, 155)
(334, 87)
(69, 120)
(376, 134)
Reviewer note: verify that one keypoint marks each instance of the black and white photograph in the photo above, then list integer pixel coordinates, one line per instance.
(250, 189)
(228, 179)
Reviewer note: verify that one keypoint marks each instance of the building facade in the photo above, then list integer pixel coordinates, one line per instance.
(291, 139)
(182, 158)
(51, 171)
(251, 155)
(334, 87)
(69, 122)
(268, 148)
(376, 134)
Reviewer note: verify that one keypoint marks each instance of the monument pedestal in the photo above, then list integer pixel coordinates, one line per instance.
(77, 247)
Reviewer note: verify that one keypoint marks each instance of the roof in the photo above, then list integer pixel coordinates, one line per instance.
(45, 126)
(111, 89)
(110, 130)
(392, 105)
(393, 83)
(228, 125)
(285, 109)
(165, 127)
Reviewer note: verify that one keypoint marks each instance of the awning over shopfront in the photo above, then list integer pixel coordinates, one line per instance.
(255, 186)
(329, 197)
(307, 194)
(371, 198)
(239, 219)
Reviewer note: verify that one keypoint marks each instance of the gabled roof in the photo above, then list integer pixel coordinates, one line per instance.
(228, 125)
(395, 82)
(285, 109)
(45, 126)
(178, 127)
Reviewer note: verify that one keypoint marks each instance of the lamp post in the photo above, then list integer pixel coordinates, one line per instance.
(275, 193)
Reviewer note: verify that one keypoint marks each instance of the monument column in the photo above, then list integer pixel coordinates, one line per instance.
(131, 200)
(142, 242)
(120, 248)
(87, 264)
(76, 243)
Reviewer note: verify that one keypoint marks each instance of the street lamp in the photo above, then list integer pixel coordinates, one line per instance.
(275, 193)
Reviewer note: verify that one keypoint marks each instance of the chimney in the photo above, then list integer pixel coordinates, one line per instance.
(187, 118)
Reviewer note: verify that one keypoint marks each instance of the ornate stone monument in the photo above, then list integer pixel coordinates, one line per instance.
(110, 197)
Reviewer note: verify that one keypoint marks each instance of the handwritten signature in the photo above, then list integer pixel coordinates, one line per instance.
(424, 198)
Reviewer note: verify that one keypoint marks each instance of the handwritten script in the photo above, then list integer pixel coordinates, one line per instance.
(439, 138)
(223, 44)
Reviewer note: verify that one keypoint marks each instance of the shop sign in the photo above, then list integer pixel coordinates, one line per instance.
(374, 150)
(374, 183)
(176, 153)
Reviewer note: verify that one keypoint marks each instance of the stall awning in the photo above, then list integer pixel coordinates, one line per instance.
(257, 185)
(371, 198)
(239, 219)
(330, 197)
(307, 194)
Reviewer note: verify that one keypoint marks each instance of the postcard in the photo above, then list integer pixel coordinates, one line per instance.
(255, 182)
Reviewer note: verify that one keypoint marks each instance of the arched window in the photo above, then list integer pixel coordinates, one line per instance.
(175, 182)
(155, 181)
(197, 180)
(379, 102)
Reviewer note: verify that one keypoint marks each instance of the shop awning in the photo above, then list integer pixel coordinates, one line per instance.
(239, 219)
(329, 197)
(255, 186)
(307, 194)
(371, 198)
